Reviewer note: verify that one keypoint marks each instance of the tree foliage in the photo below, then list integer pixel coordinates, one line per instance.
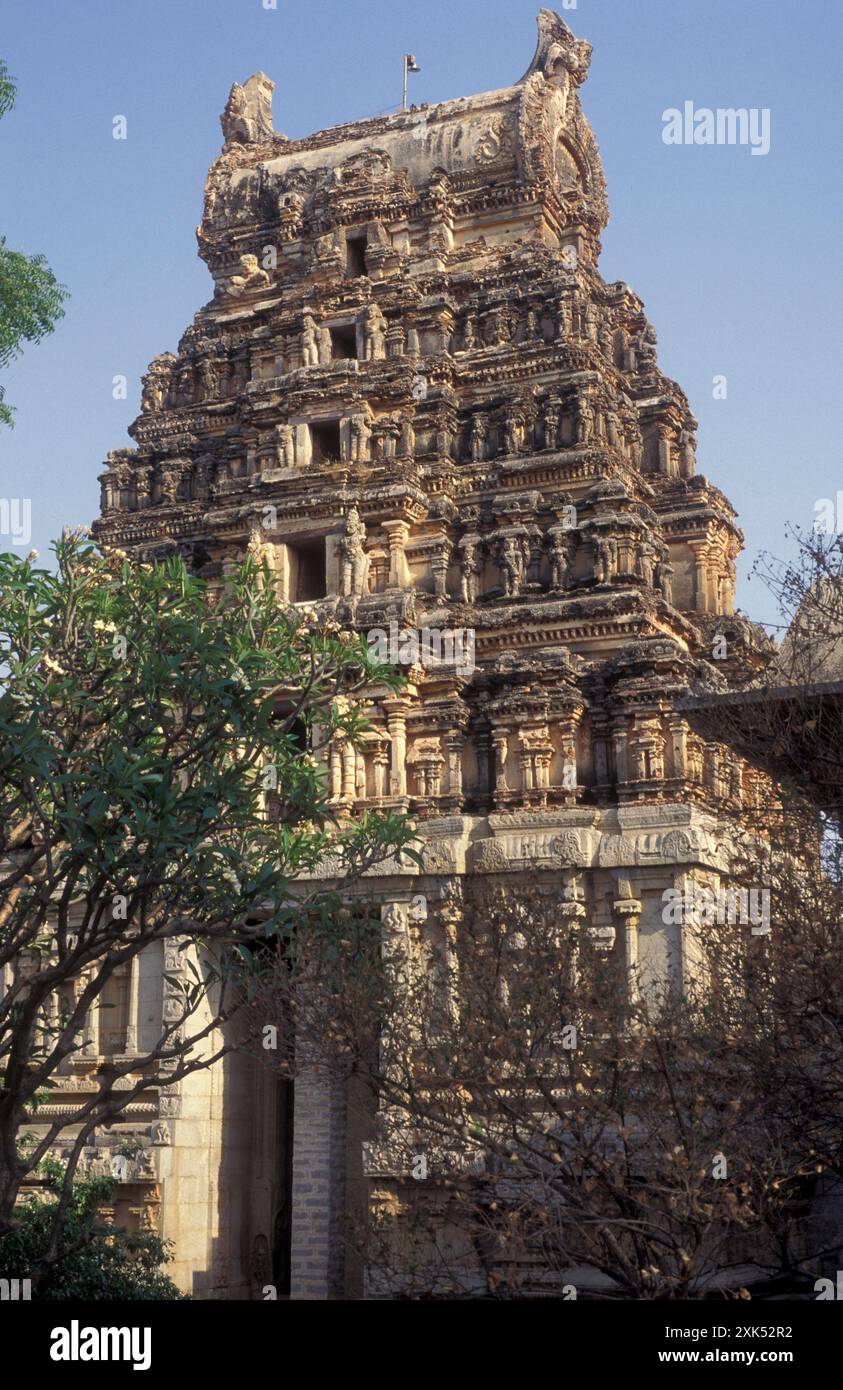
(157, 784)
(31, 298)
(95, 1260)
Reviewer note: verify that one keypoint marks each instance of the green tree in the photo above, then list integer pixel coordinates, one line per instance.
(95, 1260)
(158, 783)
(31, 298)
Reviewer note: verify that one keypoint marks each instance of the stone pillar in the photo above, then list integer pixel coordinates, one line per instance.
(570, 774)
(397, 533)
(619, 742)
(349, 771)
(396, 716)
(627, 912)
(699, 551)
(454, 746)
(679, 737)
(439, 567)
(665, 451)
(381, 765)
(131, 1040)
(91, 1034)
(711, 761)
(335, 772)
(450, 915)
(318, 1186)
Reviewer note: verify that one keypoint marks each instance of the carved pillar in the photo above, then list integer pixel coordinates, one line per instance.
(131, 1042)
(381, 765)
(627, 911)
(349, 771)
(699, 550)
(396, 715)
(711, 763)
(454, 746)
(439, 567)
(399, 574)
(568, 730)
(450, 915)
(679, 738)
(619, 743)
(335, 771)
(91, 1033)
(665, 450)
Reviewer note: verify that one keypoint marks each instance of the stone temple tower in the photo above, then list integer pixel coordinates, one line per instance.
(414, 394)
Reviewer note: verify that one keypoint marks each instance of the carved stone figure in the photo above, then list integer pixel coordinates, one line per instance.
(551, 424)
(324, 345)
(479, 434)
(208, 382)
(309, 344)
(407, 441)
(585, 419)
(513, 564)
(664, 577)
(247, 117)
(513, 434)
(646, 562)
(355, 563)
(360, 431)
(373, 327)
(251, 277)
(469, 571)
(285, 445)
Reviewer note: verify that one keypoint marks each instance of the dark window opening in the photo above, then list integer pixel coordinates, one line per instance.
(344, 342)
(355, 256)
(325, 441)
(307, 570)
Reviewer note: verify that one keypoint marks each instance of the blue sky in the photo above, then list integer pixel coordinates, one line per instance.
(738, 258)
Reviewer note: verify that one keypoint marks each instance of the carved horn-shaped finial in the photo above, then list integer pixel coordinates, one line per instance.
(558, 51)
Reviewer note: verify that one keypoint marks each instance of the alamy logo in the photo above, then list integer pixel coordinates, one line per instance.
(77, 1343)
(721, 907)
(16, 519)
(430, 647)
(727, 125)
(13, 1290)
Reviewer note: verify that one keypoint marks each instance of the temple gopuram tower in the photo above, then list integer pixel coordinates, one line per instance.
(414, 395)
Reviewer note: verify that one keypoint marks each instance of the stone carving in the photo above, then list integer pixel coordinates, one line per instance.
(156, 383)
(469, 571)
(567, 848)
(479, 435)
(497, 142)
(490, 857)
(250, 277)
(284, 444)
(247, 117)
(352, 549)
(676, 847)
(585, 419)
(309, 343)
(512, 560)
(360, 434)
(373, 332)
